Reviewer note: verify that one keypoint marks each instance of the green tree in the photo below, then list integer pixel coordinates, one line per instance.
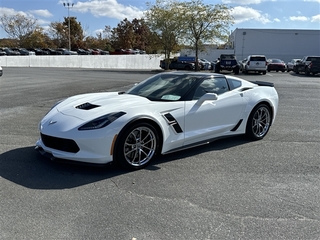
(38, 39)
(59, 33)
(18, 27)
(205, 23)
(122, 36)
(165, 19)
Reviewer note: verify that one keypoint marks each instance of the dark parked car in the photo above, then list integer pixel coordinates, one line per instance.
(276, 65)
(227, 62)
(66, 51)
(308, 65)
(10, 52)
(51, 51)
(102, 52)
(38, 51)
(81, 51)
(23, 51)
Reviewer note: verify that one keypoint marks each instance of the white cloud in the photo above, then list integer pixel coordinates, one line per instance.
(108, 8)
(11, 12)
(276, 20)
(312, 1)
(244, 14)
(41, 12)
(299, 18)
(316, 18)
(242, 2)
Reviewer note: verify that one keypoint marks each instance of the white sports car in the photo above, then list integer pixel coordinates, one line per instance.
(165, 113)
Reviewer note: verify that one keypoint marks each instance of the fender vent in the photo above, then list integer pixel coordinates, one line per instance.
(87, 106)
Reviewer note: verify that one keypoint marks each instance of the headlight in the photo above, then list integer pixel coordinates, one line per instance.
(101, 122)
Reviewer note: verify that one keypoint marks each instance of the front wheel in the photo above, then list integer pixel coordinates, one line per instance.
(259, 122)
(137, 146)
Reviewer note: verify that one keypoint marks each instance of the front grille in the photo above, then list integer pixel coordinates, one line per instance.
(62, 144)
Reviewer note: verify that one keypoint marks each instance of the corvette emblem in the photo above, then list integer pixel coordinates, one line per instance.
(52, 122)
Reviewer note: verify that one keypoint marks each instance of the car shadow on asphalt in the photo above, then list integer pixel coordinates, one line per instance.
(28, 168)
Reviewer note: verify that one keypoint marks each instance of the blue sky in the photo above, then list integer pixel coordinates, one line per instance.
(94, 15)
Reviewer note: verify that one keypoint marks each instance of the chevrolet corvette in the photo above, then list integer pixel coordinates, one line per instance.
(167, 112)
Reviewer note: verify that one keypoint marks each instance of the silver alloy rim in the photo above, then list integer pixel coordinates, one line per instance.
(140, 146)
(261, 122)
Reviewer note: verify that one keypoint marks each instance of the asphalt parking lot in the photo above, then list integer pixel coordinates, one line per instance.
(229, 189)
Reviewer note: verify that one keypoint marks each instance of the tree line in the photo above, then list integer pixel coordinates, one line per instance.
(166, 26)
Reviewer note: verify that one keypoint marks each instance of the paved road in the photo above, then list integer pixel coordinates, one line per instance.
(229, 189)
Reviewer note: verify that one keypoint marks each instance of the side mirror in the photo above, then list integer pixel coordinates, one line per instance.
(206, 97)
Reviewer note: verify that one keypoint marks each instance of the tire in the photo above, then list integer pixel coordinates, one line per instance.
(307, 72)
(236, 71)
(264, 72)
(187, 68)
(137, 146)
(259, 122)
(217, 69)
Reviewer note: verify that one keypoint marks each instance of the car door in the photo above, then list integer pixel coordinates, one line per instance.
(212, 118)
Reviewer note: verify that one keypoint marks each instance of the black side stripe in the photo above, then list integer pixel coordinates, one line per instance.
(173, 122)
(236, 126)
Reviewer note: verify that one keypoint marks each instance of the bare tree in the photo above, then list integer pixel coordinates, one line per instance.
(18, 26)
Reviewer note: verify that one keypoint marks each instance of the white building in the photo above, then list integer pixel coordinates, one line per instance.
(284, 44)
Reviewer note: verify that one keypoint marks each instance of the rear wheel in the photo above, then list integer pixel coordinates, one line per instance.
(307, 72)
(236, 70)
(137, 146)
(259, 122)
(217, 69)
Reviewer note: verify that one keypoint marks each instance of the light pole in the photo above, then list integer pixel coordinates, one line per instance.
(68, 5)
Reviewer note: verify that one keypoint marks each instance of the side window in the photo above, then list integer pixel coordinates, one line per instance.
(234, 83)
(217, 85)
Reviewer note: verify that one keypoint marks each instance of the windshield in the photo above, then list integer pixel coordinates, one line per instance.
(165, 87)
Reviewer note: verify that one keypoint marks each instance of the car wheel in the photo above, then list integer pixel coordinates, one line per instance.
(307, 72)
(259, 122)
(264, 72)
(236, 70)
(137, 146)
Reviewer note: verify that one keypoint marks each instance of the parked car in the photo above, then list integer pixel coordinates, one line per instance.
(1, 71)
(52, 51)
(10, 52)
(255, 63)
(205, 64)
(102, 52)
(167, 112)
(308, 65)
(65, 51)
(2, 53)
(227, 62)
(177, 65)
(81, 51)
(291, 64)
(38, 51)
(276, 65)
(24, 51)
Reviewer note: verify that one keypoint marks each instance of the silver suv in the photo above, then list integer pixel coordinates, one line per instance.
(255, 63)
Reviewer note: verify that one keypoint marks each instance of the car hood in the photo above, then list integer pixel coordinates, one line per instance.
(90, 106)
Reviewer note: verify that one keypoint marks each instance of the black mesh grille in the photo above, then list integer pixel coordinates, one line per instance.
(62, 144)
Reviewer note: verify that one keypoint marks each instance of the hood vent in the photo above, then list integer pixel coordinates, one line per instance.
(87, 106)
